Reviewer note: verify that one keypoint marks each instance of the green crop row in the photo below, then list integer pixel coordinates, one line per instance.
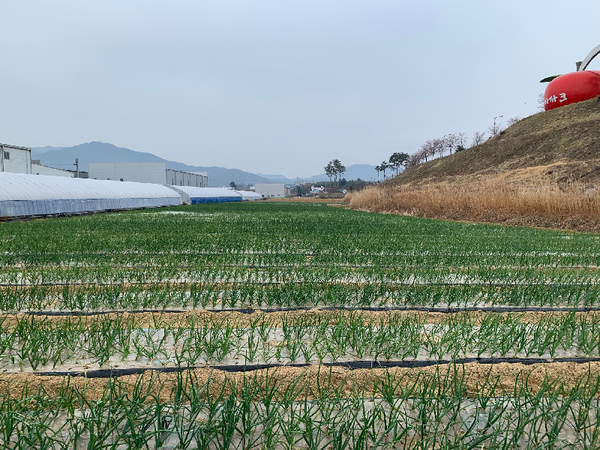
(279, 255)
(287, 233)
(289, 295)
(435, 412)
(39, 343)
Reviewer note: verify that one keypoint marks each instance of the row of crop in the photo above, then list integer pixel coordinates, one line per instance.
(205, 295)
(284, 256)
(431, 412)
(299, 273)
(280, 232)
(46, 344)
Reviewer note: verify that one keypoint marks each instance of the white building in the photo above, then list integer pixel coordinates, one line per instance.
(145, 172)
(39, 169)
(15, 159)
(273, 190)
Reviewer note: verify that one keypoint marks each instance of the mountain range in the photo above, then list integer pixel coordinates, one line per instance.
(64, 158)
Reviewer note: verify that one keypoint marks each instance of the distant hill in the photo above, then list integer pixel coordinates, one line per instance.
(277, 178)
(47, 148)
(64, 158)
(558, 146)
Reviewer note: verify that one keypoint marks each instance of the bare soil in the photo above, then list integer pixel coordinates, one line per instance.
(202, 318)
(314, 381)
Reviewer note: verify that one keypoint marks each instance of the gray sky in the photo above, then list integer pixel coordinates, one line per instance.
(278, 86)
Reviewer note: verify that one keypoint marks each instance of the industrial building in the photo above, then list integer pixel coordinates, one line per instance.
(15, 159)
(146, 172)
(273, 190)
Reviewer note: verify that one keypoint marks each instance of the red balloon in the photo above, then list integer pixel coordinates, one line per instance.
(572, 88)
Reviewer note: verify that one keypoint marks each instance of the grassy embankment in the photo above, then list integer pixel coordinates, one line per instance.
(542, 171)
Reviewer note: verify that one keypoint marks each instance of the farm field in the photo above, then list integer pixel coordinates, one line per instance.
(281, 325)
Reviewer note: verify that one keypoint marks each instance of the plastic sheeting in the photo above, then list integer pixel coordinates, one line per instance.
(250, 195)
(193, 195)
(24, 195)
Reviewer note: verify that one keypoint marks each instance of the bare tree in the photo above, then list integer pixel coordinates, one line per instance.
(461, 140)
(450, 142)
(426, 151)
(478, 138)
(541, 102)
(512, 120)
(413, 160)
(438, 146)
(416, 158)
(495, 128)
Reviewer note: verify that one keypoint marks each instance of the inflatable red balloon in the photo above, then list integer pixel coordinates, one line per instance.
(572, 88)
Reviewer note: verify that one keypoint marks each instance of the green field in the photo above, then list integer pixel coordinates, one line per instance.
(282, 325)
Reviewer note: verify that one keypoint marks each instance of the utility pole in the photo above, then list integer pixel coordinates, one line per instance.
(76, 167)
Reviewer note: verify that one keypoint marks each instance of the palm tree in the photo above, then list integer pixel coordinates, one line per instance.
(339, 170)
(383, 167)
(330, 171)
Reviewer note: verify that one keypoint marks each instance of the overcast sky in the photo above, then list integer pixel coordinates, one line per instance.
(278, 86)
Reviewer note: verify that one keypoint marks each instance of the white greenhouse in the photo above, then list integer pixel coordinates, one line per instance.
(192, 195)
(23, 195)
(250, 195)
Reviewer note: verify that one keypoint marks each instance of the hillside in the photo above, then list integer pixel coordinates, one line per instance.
(557, 146)
(63, 158)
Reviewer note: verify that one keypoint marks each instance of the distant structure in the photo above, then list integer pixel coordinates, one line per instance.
(146, 172)
(192, 195)
(573, 87)
(26, 195)
(15, 159)
(37, 168)
(273, 190)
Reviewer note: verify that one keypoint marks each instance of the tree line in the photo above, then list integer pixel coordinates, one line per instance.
(397, 160)
(334, 169)
(452, 143)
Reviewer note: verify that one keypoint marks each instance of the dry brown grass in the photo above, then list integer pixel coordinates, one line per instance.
(339, 199)
(574, 207)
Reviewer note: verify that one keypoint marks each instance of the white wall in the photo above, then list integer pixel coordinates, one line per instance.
(18, 161)
(142, 172)
(179, 178)
(38, 169)
(270, 190)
